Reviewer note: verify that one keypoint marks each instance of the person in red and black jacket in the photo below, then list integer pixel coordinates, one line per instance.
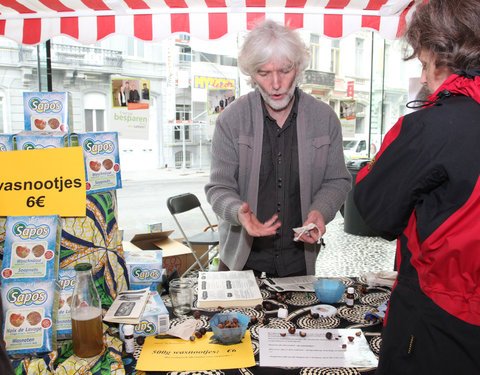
(423, 189)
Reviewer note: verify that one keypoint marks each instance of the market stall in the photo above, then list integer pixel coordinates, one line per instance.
(95, 237)
(32, 22)
(364, 316)
(342, 331)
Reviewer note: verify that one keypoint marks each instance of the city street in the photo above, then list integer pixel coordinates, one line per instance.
(143, 200)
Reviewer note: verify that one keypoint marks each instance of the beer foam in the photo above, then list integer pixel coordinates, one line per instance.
(86, 313)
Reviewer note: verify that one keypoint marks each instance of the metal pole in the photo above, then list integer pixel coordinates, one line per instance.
(383, 94)
(183, 145)
(39, 69)
(183, 130)
(371, 96)
(49, 67)
(201, 131)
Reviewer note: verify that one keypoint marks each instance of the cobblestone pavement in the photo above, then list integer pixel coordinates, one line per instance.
(142, 201)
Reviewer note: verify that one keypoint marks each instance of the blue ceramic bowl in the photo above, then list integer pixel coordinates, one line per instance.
(329, 290)
(229, 335)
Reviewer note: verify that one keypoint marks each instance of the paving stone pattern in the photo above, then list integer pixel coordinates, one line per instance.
(349, 255)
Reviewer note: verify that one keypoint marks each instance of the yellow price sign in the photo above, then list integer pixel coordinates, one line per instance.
(42, 182)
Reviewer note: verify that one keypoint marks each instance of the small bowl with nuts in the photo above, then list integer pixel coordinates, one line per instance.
(229, 328)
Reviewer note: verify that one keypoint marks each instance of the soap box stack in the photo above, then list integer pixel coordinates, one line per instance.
(66, 281)
(145, 271)
(47, 119)
(102, 160)
(154, 321)
(48, 124)
(6, 142)
(29, 283)
(48, 112)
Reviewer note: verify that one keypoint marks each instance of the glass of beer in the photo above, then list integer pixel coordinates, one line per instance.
(87, 327)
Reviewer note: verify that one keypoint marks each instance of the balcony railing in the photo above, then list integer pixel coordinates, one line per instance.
(74, 56)
(85, 56)
(315, 77)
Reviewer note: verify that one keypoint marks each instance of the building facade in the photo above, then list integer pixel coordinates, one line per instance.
(190, 82)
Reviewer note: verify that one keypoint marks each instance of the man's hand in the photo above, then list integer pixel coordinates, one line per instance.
(254, 227)
(313, 235)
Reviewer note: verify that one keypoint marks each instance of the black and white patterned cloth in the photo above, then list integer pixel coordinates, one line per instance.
(298, 305)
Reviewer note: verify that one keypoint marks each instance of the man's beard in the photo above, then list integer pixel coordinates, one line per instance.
(278, 105)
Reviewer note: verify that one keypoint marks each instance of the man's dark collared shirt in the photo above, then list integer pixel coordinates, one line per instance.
(279, 192)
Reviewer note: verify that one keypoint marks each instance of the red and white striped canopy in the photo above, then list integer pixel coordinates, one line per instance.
(35, 21)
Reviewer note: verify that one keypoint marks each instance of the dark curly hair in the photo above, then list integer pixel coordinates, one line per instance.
(450, 30)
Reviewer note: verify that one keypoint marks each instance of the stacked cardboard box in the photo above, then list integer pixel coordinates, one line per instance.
(29, 283)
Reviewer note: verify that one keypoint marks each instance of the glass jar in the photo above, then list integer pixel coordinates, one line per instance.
(87, 327)
(181, 295)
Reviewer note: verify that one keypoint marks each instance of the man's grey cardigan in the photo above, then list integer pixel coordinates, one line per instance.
(235, 168)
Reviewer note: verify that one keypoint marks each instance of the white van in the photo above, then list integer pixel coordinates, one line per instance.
(355, 148)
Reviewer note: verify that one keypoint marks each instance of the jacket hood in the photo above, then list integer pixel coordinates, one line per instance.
(460, 83)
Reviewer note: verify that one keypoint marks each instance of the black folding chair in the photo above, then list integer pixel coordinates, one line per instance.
(179, 204)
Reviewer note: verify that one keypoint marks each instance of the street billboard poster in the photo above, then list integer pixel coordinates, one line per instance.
(348, 109)
(348, 115)
(217, 101)
(130, 107)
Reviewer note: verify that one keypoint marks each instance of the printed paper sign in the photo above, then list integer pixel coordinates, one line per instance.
(166, 354)
(42, 182)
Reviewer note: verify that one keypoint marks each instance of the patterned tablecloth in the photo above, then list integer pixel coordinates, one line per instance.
(95, 239)
(299, 305)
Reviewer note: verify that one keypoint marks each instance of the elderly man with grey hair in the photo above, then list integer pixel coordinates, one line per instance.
(277, 162)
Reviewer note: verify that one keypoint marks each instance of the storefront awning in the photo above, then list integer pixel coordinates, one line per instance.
(35, 21)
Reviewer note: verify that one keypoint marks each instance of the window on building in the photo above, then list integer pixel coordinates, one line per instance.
(185, 38)
(94, 110)
(130, 46)
(184, 54)
(135, 47)
(179, 159)
(228, 61)
(208, 57)
(360, 125)
(359, 56)
(94, 120)
(335, 57)
(360, 119)
(183, 112)
(140, 48)
(314, 52)
(199, 111)
(177, 133)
